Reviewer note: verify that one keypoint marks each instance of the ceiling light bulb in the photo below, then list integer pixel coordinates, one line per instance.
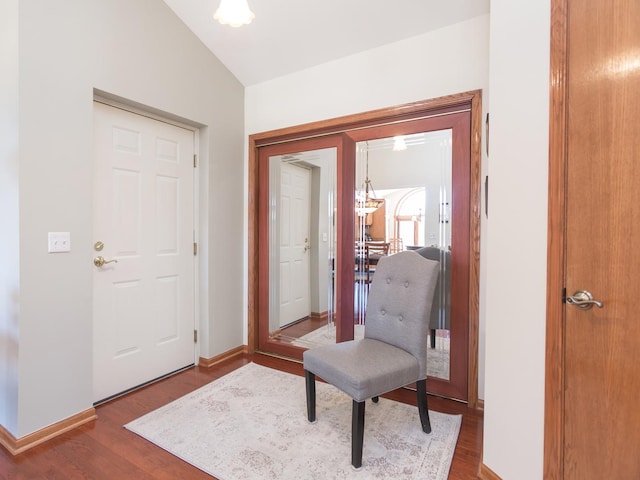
(234, 13)
(399, 144)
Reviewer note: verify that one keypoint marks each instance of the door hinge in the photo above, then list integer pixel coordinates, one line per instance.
(195, 160)
(195, 336)
(195, 248)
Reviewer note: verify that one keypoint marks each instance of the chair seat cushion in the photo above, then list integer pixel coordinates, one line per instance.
(362, 368)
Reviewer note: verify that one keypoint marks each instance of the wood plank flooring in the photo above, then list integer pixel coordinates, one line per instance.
(105, 450)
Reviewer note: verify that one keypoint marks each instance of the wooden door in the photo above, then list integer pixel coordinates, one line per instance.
(143, 299)
(598, 430)
(294, 242)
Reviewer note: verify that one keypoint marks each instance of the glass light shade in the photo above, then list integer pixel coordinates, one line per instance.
(370, 205)
(234, 13)
(366, 203)
(399, 144)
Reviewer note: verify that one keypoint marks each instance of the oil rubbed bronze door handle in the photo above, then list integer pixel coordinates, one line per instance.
(583, 300)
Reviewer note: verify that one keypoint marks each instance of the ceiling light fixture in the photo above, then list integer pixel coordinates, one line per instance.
(399, 144)
(365, 203)
(234, 13)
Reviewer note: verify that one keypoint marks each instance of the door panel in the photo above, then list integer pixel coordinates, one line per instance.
(452, 216)
(294, 243)
(602, 358)
(143, 215)
(300, 238)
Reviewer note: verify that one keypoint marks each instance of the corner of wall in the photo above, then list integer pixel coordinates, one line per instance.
(9, 214)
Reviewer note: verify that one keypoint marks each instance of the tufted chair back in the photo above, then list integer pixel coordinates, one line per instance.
(399, 303)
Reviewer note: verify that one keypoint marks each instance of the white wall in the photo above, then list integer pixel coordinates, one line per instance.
(517, 239)
(138, 50)
(447, 61)
(9, 221)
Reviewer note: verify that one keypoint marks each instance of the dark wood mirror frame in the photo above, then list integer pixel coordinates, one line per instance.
(471, 101)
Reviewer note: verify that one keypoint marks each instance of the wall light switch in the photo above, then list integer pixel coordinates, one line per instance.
(59, 242)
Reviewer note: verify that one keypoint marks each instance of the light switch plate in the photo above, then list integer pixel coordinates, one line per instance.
(59, 242)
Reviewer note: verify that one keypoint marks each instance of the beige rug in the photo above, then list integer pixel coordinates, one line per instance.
(438, 358)
(251, 424)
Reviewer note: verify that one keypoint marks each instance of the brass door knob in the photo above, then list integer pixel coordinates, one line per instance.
(100, 261)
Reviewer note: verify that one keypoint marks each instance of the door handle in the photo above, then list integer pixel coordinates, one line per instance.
(583, 300)
(100, 261)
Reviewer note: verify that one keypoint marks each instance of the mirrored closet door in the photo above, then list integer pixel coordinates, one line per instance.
(329, 203)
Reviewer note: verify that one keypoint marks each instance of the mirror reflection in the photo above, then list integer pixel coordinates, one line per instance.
(302, 242)
(403, 202)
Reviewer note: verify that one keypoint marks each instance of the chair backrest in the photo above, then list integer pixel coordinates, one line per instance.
(378, 247)
(395, 245)
(441, 309)
(399, 303)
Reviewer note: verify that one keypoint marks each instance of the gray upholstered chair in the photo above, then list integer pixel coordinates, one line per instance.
(393, 352)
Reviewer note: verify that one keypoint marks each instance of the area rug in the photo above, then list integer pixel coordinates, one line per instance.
(252, 424)
(437, 358)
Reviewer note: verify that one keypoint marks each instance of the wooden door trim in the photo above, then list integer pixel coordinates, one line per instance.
(259, 292)
(554, 364)
(410, 111)
(399, 113)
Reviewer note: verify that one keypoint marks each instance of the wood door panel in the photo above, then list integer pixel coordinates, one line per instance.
(602, 359)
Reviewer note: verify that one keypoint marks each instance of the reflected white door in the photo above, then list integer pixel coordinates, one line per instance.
(294, 243)
(143, 305)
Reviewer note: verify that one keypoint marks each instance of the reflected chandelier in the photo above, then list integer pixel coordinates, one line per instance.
(367, 203)
(234, 13)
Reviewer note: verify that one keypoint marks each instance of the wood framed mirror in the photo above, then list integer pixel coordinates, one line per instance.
(459, 117)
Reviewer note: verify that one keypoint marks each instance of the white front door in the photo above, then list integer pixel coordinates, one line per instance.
(143, 220)
(294, 243)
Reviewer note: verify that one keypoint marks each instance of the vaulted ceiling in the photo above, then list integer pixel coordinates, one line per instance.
(291, 35)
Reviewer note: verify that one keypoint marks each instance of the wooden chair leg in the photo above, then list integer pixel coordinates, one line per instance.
(357, 433)
(310, 381)
(423, 407)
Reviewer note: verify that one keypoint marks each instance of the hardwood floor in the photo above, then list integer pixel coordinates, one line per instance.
(105, 450)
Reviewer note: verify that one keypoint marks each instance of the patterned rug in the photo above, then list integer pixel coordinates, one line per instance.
(252, 424)
(438, 358)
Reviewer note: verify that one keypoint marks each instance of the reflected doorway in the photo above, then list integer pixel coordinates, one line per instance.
(301, 226)
(292, 240)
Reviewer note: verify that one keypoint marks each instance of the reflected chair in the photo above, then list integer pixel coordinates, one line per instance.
(393, 352)
(395, 245)
(374, 251)
(362, 266)
(440, 318)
